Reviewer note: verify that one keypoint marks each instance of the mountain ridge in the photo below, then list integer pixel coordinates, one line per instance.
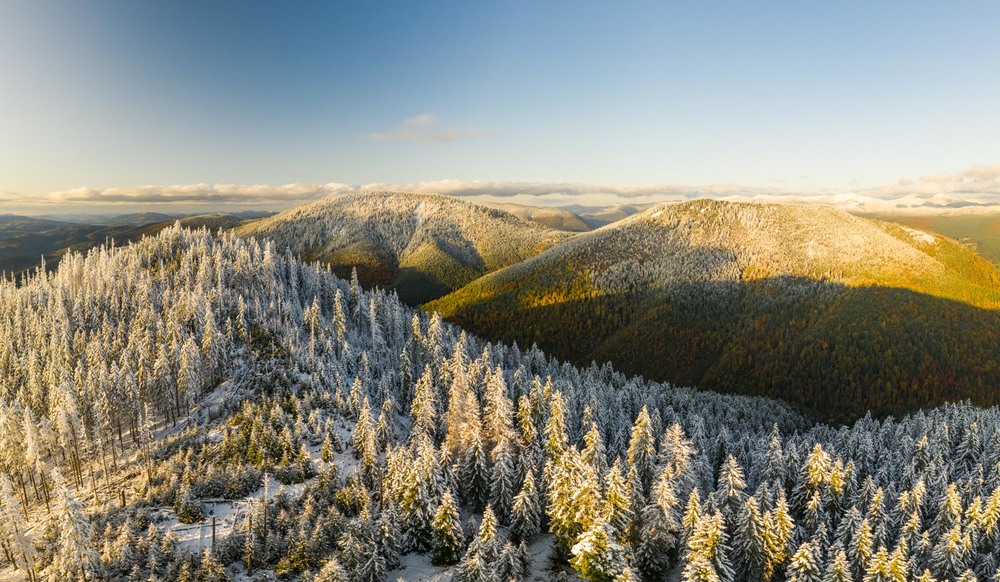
(420, 245)
(720, 285)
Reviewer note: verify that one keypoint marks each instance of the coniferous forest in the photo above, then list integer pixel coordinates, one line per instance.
(199, 407)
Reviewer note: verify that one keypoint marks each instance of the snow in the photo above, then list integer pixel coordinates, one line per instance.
(919, 235)
(418, 567)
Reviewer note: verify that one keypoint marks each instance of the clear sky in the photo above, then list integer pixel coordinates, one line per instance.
(800, 94)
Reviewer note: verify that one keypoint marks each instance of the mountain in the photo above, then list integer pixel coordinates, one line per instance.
(978, 231)
(556, 218)
(25, 240)
(832, 312)
(603, 216)
(421, 246)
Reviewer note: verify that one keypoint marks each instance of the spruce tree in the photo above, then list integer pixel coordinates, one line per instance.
(527, 512)
(749, 542)
(449, 539)
(474, 476)
(331, 570)
(804, 566)
(642, 450)
(502, 483)
(597, 556)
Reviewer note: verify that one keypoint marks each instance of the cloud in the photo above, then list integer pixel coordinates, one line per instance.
(981, 182)
(194, 194)
(424, 127)
(974, 190)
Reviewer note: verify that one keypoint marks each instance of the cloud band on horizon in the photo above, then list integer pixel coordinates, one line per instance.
(978, 187)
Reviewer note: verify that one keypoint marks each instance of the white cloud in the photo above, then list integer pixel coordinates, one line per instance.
(424, 127)
(975, 190)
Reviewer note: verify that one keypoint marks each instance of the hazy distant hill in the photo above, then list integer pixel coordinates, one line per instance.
(25, 240)
(423, 246)
(811, 304)
(598, 217)
(980, 232)
(557, 218)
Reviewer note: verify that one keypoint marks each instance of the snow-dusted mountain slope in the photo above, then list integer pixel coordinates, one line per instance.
(422, 246)
(811, 304)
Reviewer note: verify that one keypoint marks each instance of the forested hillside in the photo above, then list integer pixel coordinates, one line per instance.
(24, 241)
(835, 313)
(422, 246)
(979, 231)
(335, 434)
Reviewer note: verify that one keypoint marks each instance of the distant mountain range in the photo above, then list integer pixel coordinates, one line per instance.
(25, 240)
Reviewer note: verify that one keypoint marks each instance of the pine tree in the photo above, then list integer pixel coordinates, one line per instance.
(618, 502)
(331, 570)
(707, 550)
(656, 543)
(474, 476)
(838, 569)
(448, 539)
(861, 548)
(510, 563)
(574, 499)
(502, 483)
(597, 556)
(778, 529)
(642, 450)
(13, 525)
(474, 568)
(594, 452)
(527, 512)
(210, 569)
(487, 541)
(364, 439)
(556, 440)
(804, 566)
(950, 556)
(423, 410)
(498, 427)
(76, 557)
(728, 495)
(749, 542)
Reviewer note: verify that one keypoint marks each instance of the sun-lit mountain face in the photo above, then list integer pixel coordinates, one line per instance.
(421, 246)
(834, 312)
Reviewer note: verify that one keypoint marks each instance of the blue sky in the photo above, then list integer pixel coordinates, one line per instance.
(807, 96)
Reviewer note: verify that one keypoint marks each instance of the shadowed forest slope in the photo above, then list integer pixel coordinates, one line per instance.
(829, 311)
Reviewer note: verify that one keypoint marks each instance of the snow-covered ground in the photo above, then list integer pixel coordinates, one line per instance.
(418, 567)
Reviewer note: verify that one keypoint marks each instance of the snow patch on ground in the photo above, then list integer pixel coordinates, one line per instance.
(418, 567)
(919, 235)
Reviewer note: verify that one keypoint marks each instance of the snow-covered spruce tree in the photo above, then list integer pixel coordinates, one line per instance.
(18, 543)
(706, 556)
(449, 539)
(76, 559)
(502, 482)
(642, 450)
(188, 509)
(331, 572)
(804, 566)
(527, 512)
(749, 542)
(597, 555)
